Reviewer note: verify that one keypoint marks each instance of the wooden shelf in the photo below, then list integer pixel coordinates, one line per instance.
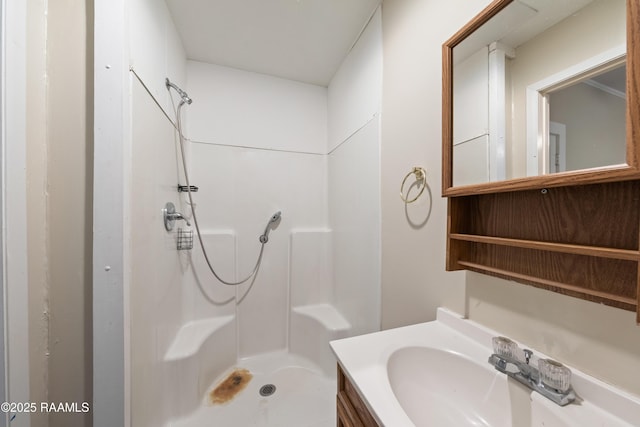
(581, 241)
(603, 295)
(596, 251)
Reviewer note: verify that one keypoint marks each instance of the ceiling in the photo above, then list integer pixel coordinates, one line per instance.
(517, 23)
(614, 79)
(303, 40)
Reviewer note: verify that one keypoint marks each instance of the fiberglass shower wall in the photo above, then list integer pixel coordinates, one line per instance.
(258, 147)
(157, 270)
(262, 144)
(355, 99)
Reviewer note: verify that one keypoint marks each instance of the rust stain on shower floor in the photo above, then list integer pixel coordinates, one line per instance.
(235, 382)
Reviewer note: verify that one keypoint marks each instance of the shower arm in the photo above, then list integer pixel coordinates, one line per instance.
(185, 97)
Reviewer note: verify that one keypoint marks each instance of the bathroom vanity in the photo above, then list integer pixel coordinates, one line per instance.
(350, 408)
(439, 374)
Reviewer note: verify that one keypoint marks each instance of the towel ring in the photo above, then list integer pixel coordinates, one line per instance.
(421, 175)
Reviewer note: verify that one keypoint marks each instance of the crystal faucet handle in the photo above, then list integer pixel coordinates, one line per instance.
(504, 347)
(554, 374)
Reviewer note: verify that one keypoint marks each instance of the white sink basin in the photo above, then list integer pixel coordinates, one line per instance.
(443, 388)
(437, 374)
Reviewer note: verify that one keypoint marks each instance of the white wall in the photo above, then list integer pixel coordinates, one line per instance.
(594, 30)
(111, 210)
(354, 91)
(14, 139)
(260, 149)
(241, 108)
(599, 340)
(595, 120)
(354, 180)
(157, 269)
(471, 127)
(414, 282)
(594, 338)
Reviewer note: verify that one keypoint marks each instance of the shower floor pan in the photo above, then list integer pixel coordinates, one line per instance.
(297, 392)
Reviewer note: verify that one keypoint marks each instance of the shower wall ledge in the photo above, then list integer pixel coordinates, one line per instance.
(192, 336)
(325, 314)
(312, 327)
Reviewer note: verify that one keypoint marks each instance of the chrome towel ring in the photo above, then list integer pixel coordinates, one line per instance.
(421, 175)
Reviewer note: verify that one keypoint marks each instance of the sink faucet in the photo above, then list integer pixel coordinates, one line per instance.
(551, 379)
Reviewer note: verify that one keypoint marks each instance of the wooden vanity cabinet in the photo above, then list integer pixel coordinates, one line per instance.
(351, 410)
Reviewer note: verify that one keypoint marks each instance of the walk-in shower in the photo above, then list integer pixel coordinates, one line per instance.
(272, 193)
(301, 374)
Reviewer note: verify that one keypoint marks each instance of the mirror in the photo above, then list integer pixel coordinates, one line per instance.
(536, 88)
(583, 127)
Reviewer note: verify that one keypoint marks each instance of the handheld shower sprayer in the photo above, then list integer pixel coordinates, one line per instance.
(274, 219)
(183, 94)
(264, 238)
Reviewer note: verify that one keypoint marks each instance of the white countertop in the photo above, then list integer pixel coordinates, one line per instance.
(364, 360)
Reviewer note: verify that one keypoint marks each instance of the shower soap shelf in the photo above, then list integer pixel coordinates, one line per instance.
(192, 336)
(185, 239)
(187, 188)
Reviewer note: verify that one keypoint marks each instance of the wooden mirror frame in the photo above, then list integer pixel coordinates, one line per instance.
(581, 238)
(630, 171)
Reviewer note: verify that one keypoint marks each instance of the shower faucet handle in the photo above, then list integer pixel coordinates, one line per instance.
(170, 216)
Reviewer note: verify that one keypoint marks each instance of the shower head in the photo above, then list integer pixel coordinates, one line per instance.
(264, 238)
(183, 94)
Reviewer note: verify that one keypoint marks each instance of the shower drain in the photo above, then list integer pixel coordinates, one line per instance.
(267, 390)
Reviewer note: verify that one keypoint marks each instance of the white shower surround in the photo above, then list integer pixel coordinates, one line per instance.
(320, 272)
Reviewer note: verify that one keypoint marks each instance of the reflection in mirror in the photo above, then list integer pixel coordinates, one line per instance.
(586, 124)
(544, 51)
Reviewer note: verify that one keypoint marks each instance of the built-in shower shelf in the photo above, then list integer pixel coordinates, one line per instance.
(325, 314)
(192, 335)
